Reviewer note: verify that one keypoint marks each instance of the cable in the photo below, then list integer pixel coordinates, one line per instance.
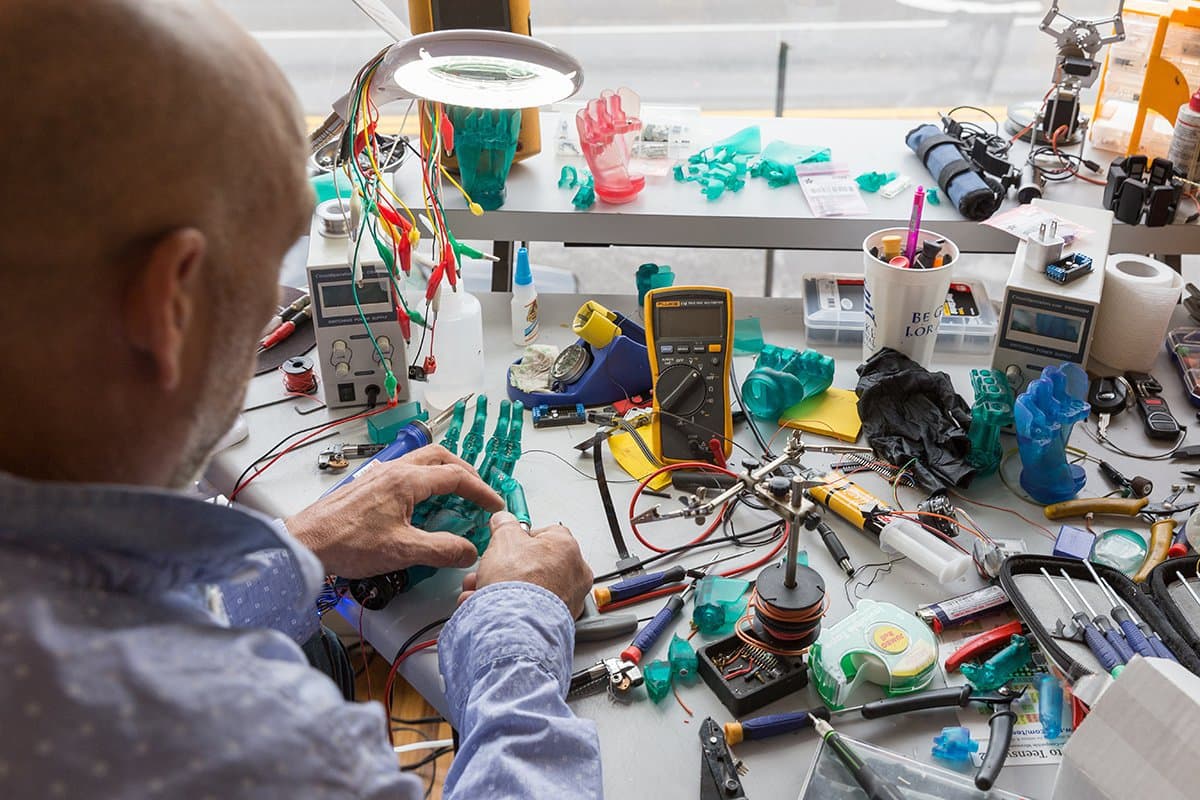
(687, 548)
(407, 649)
(610, 511)
(637, 493)
(418, 720)
(754, 431)
(429, 759)
(572, 466)
(433, 744)
(1104, 441)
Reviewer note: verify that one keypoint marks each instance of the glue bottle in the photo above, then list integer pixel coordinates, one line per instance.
(524, 302)
(924, 549)
(1185, 144)
(458, 335)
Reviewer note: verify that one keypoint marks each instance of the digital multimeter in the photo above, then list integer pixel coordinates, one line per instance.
(689, 338)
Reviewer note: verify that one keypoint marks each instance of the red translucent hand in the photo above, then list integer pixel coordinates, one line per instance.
(603, 127)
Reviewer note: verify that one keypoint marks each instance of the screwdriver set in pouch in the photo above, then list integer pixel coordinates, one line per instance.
(1089, 619)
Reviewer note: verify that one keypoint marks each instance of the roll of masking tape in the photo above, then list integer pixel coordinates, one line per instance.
(1140, 294)
(595, 324)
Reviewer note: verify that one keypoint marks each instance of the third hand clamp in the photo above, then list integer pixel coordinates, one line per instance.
(1159, 515)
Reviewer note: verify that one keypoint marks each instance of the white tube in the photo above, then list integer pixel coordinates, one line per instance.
(924, 549)
(433, 745)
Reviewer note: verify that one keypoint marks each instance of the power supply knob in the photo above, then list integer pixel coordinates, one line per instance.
(1016, 378)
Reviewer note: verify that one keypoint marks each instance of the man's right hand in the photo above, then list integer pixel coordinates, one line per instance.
(547, 557)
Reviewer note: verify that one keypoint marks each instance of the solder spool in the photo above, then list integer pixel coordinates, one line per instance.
(334, 216)
(784, 620)
(298, 375)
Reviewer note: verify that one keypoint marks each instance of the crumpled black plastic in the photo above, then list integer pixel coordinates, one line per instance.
(911, 413)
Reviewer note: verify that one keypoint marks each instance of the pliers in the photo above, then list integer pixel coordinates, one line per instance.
(1159, 515)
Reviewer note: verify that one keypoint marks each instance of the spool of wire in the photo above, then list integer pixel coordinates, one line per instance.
(782, 620)
(334, 216)
(298, 375)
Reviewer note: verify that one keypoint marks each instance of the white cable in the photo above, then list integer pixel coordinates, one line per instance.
(431, 745)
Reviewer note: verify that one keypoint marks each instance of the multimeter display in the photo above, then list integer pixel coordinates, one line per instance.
(689, 333)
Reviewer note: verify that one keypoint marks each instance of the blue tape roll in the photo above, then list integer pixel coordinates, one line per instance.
(965, 187)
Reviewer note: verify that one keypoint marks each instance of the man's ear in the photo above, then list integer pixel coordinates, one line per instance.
(161, 300)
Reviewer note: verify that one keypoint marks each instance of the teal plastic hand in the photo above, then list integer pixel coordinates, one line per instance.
(999, 669)
(992, 410)
(473, 443)
(450, 439)
(485, 141)
(783, 377)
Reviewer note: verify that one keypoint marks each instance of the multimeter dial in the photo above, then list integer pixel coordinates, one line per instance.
(681, 390)
(570, 365)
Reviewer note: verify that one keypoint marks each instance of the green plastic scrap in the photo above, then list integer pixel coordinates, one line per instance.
(747, 336)
(720, 602)
(747, 141)
(586, 196)
(568, 177)
(777, 164)
(999, 669)
(874, 181)
(682, 658)
(653, 276)
(657, 675)
(722, 165)
(932, 197)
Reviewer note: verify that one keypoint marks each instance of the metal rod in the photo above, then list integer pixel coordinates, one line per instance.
(1058, 591)
(794, 525)
(1078, 593)
(780, 91)
(1112, 597)
(1188, 586)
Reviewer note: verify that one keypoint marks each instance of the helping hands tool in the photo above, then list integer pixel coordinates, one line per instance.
(619, 677)
(1159, 515)
(1101, 649)
(1001, 722)
(1111, 634)
(1141, 644)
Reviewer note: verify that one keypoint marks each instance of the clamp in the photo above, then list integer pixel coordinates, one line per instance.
(337, 458)
(620, 677)
(1159, 515)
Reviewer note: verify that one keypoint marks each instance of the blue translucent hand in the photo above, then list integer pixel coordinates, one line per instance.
(783, 377)
(954, 744)
(1044, 416)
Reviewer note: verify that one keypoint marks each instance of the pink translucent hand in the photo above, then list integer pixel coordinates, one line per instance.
(603, 127)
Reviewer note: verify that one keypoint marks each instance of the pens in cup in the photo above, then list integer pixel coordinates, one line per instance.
(914, 223)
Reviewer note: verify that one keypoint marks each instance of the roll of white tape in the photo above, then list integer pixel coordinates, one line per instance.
(1135, 310)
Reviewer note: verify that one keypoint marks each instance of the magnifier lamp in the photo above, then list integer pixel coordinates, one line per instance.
(464, 67)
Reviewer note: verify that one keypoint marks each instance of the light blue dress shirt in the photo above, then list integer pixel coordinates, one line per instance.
(122, 677)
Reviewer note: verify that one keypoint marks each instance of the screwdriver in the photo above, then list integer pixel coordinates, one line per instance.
(864, 776)
(1113, 636)
(1188, 586)
(1133, 634)
(1100, 648)
(648, 635)
(639, 585)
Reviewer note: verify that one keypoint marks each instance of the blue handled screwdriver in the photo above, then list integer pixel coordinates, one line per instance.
(1100, 648)
(414, 435)
(1133, 634)
(641, 584)
(1114, 636)
(648, 635)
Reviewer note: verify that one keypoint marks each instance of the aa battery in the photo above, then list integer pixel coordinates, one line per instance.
(962, 609)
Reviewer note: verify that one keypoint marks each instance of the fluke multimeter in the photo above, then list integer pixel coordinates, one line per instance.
(689, 338)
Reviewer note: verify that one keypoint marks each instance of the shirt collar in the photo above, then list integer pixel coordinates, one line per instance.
(143, 539)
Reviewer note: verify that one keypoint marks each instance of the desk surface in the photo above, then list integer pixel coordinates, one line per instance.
(651, 750)
(670, 213)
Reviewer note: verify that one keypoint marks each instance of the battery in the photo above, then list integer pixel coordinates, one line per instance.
(963, 608)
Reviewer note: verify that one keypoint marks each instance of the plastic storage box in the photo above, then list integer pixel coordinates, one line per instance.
(833, 312)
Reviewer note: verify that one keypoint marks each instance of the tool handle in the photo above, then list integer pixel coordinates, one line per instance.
(1133, 634)
(1001, 728)
(833, 544)
(648, 635)
(1100, 648)
(1160, 542)
(773, 725)
(640, 584)
(1118, 643)
(604, 627)
(956, 697)
(874, 785)
(1127, 507)
(1160, 649)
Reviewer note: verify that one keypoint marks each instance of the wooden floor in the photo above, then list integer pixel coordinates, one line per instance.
(409, 706)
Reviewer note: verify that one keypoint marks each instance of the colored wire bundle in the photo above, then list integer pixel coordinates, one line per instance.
(781, 630)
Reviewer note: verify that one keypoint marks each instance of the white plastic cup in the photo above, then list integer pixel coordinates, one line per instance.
(904, 306)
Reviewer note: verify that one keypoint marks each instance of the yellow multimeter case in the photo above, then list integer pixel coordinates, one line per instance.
(689, 338)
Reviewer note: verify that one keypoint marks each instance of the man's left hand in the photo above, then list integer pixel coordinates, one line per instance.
(365, 528)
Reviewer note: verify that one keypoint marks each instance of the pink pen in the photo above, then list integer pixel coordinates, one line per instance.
(914, 224)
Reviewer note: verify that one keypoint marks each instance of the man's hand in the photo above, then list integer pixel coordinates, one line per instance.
(365, 528)
(548, 557)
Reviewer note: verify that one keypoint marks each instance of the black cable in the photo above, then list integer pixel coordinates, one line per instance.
(610, 512)
(737, 393)
(284, 440)
(418, 720)
(983, 111)
(572, 466)
(410, 641)
(434, 756)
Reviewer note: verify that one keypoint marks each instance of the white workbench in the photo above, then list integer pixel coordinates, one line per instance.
(652, 750)
(670, 213)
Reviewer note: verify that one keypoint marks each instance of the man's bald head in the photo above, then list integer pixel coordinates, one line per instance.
(154, 158)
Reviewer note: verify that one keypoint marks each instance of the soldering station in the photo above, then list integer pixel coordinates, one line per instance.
(789, 533)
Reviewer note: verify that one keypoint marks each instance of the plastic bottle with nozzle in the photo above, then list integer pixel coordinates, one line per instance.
(928, 552)
(524, 302)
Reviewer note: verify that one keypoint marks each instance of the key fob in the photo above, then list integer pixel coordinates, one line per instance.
(1156, 415)
(1107, 395)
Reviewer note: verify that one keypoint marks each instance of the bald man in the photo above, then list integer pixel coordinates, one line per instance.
(153, 165)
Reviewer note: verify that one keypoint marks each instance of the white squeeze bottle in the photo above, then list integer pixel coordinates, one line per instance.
(1185, 144)
(524, 302)
(458, 348)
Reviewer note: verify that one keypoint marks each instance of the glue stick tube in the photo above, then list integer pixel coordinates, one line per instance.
(924, 549)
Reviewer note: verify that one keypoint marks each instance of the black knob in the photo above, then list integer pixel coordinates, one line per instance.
(779, 486)
(681, 390)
